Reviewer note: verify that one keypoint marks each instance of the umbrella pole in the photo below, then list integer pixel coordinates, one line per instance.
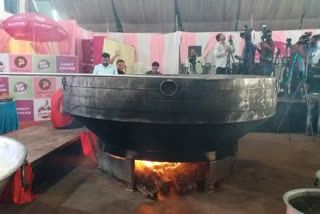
(33, 46)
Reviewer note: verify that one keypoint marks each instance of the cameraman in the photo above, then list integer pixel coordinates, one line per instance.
(194, 64)
(266, 51)
(221, 53)
(248, 54)
(313, 101)
(313, 51)
(298, 56)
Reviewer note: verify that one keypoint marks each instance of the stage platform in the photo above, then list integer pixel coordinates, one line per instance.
(43, 139)
(294, 122)
(52, 152)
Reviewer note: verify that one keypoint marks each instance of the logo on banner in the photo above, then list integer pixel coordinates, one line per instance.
(1, 67)
(43, 64)
(20, 62)
(20, 87)
(45, 84)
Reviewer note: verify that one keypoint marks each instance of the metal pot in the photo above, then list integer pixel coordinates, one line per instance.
(291, 198)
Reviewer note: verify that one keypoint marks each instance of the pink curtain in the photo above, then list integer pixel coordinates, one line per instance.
(157, 50)
(279, 38)
(42, 48)
(97, 48)
(68, 46)
(83, 35)
(5, 38)
(210, 45)
(187, 39)
(131, 39)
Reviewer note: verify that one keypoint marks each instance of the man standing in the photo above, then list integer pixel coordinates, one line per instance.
(121, 66)
(248, 55)
(105, 68)
(313, 105)
(221, 53)
(154, 70)
(266, 51)
(298, 56)
(195, 63)
(314, 51)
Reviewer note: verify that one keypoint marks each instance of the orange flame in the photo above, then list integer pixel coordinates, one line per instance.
(158, 167)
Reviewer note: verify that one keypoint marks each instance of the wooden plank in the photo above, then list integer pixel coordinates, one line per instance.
(43, 139)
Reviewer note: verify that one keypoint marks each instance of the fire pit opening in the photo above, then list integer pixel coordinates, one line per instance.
(157, 179)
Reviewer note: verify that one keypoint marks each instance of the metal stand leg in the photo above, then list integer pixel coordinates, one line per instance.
(120, 168)
(210, 182)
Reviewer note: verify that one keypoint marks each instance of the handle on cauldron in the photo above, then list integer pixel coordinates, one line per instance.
(64, 82)
(24, 183)
(168, 87)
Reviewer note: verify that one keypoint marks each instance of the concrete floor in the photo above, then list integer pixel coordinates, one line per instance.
(268, 166)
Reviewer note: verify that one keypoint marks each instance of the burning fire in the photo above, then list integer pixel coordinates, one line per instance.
(159, 178)
(161, 168)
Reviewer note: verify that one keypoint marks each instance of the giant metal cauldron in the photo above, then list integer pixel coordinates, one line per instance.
(170, 118)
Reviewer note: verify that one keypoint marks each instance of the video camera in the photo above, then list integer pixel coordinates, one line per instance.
(246, 34)
(305, 38)
(288, 42)
(266, 33)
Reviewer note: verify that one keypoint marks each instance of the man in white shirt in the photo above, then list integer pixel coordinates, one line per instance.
(220, 52)
(105, 68)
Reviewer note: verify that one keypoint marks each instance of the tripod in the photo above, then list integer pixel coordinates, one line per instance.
(304, 88)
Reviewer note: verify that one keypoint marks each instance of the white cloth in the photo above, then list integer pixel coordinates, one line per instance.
(105, 70)
(220, 53)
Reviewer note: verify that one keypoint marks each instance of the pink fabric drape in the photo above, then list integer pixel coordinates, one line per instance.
(210, 45)
(97, 48)
(187, 39)
(68, 46)
(83, 35)
(42, 48)
(5, 38)
(131, 39)
(79, 52)
(279, 38)
(157, 50)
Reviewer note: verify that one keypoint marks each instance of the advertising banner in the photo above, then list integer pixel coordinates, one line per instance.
(44, 87)
(20, 63)
(67, 64)
(21, 88)
(44, 64)
(4, 63)
(25, 110)
(4, 86)
(42, 109)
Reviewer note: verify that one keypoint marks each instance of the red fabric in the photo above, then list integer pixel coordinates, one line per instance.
(15, 193)
(58, 119)
(85, 143)
(98, 48)
(157, 50)
(33, 27)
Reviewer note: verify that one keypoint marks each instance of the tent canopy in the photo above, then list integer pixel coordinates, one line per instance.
(190, 15)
